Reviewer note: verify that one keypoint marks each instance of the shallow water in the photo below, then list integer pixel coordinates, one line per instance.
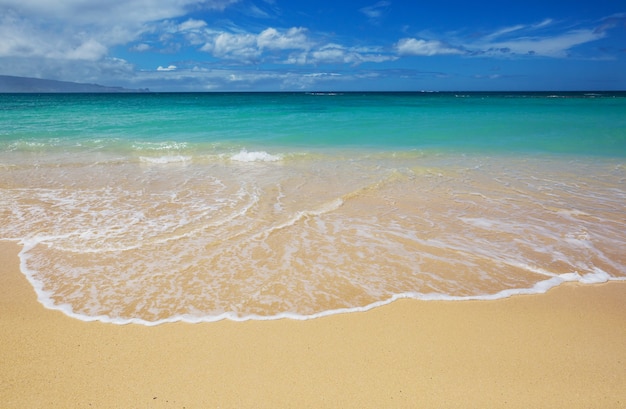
(155, 208)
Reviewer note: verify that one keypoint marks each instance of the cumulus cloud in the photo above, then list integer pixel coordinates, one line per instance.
(85, 29)
(291, 46)
(111, 11)
(233, 46)
(293, 38)
(191, 25)
(73, 39)
(249, 47)
(337, 54)
(90, 49)
(168, 68)
(23, 38)
(333, 54)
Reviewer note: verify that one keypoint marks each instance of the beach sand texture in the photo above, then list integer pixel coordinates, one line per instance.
(563, 349)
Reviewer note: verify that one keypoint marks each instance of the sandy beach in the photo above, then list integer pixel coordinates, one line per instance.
(566, 348)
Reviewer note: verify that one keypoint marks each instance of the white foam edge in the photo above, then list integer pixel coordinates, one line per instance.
(596, 277)
(161, 160)
(254, 156)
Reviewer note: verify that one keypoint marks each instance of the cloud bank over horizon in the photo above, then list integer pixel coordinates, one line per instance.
(204, 45)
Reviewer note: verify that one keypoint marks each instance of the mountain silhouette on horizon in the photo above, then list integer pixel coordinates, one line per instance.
(13, 84)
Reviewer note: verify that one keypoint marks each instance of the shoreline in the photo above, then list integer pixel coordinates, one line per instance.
(564, 348)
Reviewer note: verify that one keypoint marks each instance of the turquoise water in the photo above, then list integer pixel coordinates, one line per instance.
(574, 123)
(150, 208)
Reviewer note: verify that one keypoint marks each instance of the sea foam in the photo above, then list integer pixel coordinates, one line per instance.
(46, 298)
(255, 156)
(165, 159)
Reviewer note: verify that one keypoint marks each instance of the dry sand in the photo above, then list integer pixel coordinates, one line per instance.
(564, 349)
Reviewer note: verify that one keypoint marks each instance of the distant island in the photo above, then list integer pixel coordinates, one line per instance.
(11, 84)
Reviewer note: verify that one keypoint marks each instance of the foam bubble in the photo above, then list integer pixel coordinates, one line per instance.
(596, 277)
(165, 159)
(255, 156)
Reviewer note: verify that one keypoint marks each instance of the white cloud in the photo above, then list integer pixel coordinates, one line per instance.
(293, 38)
(557, 45)
(89, 49)
(248, 47)
(337, 54)
(544, 23)
(22, 38)
(291, 46)
(297, 58)
(516, 40)
(85, 29)
(504, 31)
(168, 68)
(255, 11)
(191, 25)
(330, 53)
(413, 46)
(141, 47)
(540, 39)
(376, 10)
(233, 46)
(111, 11)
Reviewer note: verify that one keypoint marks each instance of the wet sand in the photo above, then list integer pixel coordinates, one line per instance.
(566, 348)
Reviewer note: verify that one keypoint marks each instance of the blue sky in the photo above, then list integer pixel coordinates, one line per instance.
(280, 45)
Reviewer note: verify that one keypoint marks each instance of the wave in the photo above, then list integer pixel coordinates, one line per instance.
(215, 239)
(255, 156)
(165, 159)
(46, 298)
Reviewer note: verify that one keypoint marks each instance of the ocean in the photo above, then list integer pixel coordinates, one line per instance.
(153, 208)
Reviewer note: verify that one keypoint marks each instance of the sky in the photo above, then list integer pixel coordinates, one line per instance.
(321, 45)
